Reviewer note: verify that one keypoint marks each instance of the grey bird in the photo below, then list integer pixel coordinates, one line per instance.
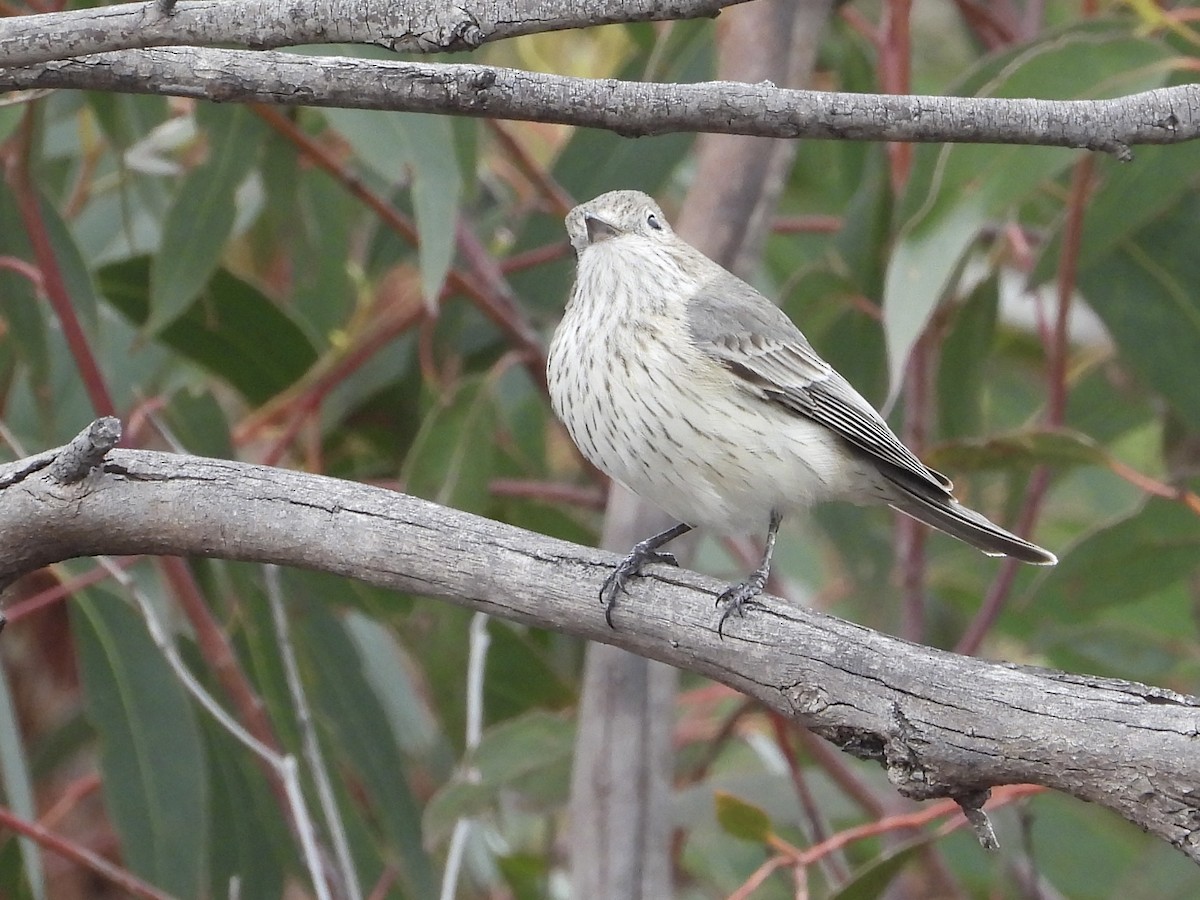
(682, 382)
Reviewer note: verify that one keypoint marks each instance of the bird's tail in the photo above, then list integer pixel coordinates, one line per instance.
(958, 521)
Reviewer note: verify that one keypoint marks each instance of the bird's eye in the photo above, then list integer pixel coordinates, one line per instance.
(652, 221)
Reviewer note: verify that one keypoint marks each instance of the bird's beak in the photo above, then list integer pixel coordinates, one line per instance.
(598, 230)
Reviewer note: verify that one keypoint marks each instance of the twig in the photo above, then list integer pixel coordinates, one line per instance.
(1058, 354)
(836, 871)
(536, 257)
(548, 492)
(52, 281)
(476, 665)
(490, 294)
(86, 450)
(81, 856)
(284, 767)
(317, 769)
(560, 201)
(812, 224)
(1161, 116)
(895, 70)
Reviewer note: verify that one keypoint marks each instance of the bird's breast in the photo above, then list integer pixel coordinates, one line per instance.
(648, 408)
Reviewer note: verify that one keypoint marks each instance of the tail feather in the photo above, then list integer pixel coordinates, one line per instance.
(958, 521)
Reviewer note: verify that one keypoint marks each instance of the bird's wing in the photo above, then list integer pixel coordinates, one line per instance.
(748, 334)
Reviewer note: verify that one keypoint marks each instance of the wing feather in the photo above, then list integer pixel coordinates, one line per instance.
(758, 343)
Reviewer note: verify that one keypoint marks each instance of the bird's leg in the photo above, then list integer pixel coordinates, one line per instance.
(643, 552)
(738, 596)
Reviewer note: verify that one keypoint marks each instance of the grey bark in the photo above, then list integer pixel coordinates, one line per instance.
(1162, 116)
(415, 27)
(942, 725)
(623, 772)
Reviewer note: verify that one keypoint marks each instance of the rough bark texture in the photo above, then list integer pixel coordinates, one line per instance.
(414, 27)
(941, 724)
(623, 773)
(1163, 116)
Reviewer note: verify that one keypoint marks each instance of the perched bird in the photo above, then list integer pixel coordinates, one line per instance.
(688, 386)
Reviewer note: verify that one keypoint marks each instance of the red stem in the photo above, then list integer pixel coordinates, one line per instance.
(554, 193)
(812, 224)
(24, 269)
(503, 314)
(50, 596)
(93, 862)
(217, 651)
(836, 868)
(1058, 353)
(911, 535)
(55, 288)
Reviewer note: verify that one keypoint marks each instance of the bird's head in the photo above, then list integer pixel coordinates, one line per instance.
(614, 216)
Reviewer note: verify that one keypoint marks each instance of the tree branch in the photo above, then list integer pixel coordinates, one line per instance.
(943, 725)
(415, 27)
(1162, 116)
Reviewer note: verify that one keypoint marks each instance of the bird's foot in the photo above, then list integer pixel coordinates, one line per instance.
(615, 584)
(739, 597)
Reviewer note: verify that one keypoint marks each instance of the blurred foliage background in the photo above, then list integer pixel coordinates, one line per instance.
(366, 295)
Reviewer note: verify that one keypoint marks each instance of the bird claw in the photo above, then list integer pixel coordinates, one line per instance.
(737, 599)
(616, 583)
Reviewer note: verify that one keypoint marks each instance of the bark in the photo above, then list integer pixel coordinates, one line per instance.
(623, 773)
(942, 725)
(1162, 116)
(414, 27)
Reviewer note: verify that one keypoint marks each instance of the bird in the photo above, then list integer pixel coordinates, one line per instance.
(684, 383)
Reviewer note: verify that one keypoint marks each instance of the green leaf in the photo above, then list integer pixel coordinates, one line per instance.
(1130, 197)
(525, 874)
(151, 755)
(10, 118)
(453, 801)
(1133, 558)
(1145, 292)
(127, 118)
(451, 460)
(873, 879)
(201, 218)
(421, 149)
(18, 787)
(390, 674)
(347, 702)
(234, 331)
(741, 819)
(956, 189)
(518, 675)
(518, 752)
(199, 423)
(249, 835)
(862, 242)
(76, 275)
(1020, 450)
(962, 362)
(530, 754)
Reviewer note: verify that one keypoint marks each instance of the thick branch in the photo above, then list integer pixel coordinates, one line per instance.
(1163, 116)
(424, 27)
(943, 725)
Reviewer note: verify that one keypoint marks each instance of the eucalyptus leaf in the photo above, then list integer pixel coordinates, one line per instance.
(152, 758)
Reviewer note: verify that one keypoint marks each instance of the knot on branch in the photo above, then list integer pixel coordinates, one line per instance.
(972, 807)
(459, 31)
(902, 759)
(85, 451)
